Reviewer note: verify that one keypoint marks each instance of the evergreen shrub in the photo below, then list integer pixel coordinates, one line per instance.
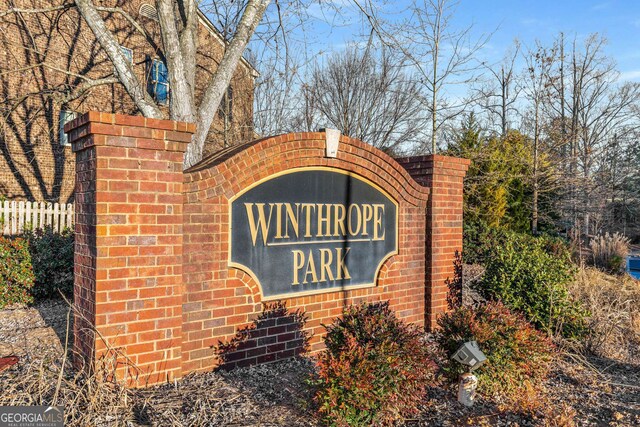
(16, 272)
(52, 259)
(531, 275)
(478, 239)
(375, 369)
(518, 356)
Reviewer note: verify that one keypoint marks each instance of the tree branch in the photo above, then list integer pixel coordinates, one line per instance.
(80, 90)
(135, 24)
(218, 83)
(13, 10)
(124, 69)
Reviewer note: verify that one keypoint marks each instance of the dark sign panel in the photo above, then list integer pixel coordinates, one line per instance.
(312, 230)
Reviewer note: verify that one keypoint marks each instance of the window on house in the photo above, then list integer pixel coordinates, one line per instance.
(65, 117)
(128, 53)
(226, 105)
(158, 81)
(148, 11)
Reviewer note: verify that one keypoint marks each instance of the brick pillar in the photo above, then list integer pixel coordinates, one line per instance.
(128, 259)
(444, 176)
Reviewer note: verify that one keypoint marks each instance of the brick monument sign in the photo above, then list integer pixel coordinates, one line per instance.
(171, 263)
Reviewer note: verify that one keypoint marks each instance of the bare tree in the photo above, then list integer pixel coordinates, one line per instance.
(442, 55)
(539, 66)
(178, 25)
(179, 21)
(587, 106)
(365, 94)
(498, 94)
(619, 178)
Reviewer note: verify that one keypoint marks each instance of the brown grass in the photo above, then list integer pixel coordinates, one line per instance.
(609, 251)
(613, 323)
(89, 397)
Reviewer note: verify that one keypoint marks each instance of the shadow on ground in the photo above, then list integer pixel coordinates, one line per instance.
(35, 332)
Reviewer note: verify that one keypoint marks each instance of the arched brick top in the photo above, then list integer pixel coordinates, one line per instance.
(255, 160)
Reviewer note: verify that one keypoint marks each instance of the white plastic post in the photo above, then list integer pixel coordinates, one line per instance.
(467, 389)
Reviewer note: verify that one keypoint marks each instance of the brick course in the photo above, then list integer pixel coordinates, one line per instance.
(444, 176)
(153, 242)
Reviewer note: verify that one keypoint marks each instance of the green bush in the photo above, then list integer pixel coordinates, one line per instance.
(530, 275)
(52, 259)
(478, 239)
(375, 369)
(16, 272)
(518, 355)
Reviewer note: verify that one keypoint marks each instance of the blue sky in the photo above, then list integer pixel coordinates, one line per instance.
(617, 20)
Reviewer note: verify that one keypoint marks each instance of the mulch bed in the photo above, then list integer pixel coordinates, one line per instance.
(582, 391)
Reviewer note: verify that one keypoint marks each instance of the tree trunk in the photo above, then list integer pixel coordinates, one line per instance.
(536, 138)
(222, 77)
(434, 101)
(182, 103)
(504, 105)
(434, 94)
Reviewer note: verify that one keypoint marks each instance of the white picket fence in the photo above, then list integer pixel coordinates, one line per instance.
(16, 216)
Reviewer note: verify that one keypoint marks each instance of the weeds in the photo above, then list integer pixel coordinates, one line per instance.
(610, 252)
(613, 322)
(89, 396)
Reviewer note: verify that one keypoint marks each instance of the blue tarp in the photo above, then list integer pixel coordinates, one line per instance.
(633, 266)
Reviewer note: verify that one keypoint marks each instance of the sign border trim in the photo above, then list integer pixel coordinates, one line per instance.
(351, 174)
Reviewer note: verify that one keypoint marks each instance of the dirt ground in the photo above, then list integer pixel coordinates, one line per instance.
(34, 332)
(583, 391)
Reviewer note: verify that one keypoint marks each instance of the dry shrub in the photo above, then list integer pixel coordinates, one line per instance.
(613, 303)
(610, 251)
(90, 396)
(561, 415)
(87, 399)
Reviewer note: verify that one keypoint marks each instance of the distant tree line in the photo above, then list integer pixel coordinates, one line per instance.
(555, 145)
(551, 128)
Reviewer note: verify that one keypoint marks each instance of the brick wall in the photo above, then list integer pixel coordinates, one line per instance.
(217, 302)
(128, 262)
(444, 176)
(276, 334)
(219, 299)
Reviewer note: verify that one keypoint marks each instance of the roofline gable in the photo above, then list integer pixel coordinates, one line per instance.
(216, 34)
